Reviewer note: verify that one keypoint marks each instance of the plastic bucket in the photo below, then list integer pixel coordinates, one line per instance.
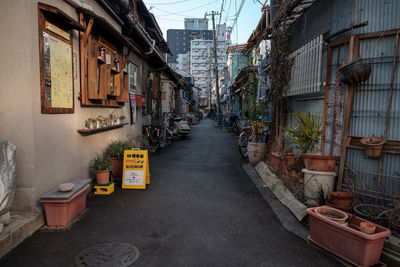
(314, 181)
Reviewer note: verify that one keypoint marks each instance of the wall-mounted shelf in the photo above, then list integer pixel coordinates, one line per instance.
(86, 132)
(101, 60)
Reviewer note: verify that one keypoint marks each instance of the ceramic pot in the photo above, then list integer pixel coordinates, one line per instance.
(315, 181)
(332, 214)
(103, 177)
(116, 167)
(320, 163)
(342, 199)
(280, 159)
(256, 152)
(373, 146)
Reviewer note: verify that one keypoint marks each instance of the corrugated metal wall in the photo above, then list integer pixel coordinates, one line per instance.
(369, 176)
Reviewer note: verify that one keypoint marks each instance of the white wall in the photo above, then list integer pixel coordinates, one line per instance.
(49, 149)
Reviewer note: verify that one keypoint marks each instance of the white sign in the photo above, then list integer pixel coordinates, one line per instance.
(134, 177)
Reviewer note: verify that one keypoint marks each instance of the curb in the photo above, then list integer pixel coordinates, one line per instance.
(288, 221)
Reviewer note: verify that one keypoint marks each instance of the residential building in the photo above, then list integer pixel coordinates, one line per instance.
(368, 33)
(65, 62)
(198, 24)
(179, 41)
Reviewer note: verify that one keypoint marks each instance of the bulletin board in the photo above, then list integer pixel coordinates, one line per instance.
(136, 170)
(56, 66)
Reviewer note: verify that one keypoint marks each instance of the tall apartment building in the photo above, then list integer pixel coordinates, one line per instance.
(202, 59)
(179, 41)
(196, 24)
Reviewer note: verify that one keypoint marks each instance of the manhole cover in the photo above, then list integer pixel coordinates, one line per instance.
(108, 254)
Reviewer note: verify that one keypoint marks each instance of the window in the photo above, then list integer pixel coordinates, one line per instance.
(132, 78)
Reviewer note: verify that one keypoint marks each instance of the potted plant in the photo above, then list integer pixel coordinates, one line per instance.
(101, 164)
(120, 119)
(100, 121)
(115, 151)
(305, 131)
(90, 123)
(257, 110)
(373, 146)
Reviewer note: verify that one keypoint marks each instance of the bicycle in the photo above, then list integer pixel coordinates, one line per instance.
(247, 134)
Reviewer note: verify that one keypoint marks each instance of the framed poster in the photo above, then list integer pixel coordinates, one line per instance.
(136, 173)
(132, 101)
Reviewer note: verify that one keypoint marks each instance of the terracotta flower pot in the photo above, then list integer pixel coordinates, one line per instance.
(373, 146)
(103, 177)
(332, 214)
(345, 209)
(367, 228)
(320, 163)
(342, 199)
(280, 159)
(116, 167)
(347, 242)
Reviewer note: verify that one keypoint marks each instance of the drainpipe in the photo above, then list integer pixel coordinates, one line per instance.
(79, 4)
(135, 23)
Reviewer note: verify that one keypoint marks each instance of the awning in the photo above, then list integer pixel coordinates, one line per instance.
(60, 17)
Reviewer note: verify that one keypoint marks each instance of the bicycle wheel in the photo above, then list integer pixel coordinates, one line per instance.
(243, 140)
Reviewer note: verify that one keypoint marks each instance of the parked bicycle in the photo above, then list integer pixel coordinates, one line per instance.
(248, 133)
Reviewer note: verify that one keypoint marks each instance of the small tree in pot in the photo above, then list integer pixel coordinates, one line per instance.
(115, 151)
(101, 164)
(257, 110)
(305, 131)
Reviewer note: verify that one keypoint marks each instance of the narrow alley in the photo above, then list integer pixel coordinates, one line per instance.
(200, 210)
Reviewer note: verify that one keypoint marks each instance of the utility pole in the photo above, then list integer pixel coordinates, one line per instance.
(213, 13)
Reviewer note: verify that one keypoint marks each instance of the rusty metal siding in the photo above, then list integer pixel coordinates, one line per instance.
(380, 14)
(368, 119)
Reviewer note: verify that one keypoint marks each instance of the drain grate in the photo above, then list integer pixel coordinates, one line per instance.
(108, 254)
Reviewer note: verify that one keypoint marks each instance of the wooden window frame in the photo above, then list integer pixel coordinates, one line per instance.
(103, 83)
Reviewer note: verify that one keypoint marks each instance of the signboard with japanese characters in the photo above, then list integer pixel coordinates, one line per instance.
(136, 173)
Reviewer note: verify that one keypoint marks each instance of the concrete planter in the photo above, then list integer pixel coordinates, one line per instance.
(256, 152)
(315, 181)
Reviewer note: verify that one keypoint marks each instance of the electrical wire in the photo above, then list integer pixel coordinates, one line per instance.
(170, 3)
(180, 12)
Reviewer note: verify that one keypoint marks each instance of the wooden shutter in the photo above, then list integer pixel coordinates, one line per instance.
(92, 78)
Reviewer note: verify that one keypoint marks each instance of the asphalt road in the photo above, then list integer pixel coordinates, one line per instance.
(200, 210)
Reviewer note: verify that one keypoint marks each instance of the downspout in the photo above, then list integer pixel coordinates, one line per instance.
(135, 24)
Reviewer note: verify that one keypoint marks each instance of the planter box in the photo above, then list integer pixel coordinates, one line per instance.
(62, 207)
(280, 159)
(320, 163)
(347, 243)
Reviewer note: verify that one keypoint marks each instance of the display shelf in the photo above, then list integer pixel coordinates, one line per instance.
(86, 132)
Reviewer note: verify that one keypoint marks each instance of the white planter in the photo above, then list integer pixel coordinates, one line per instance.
(314, 181)
(256, 152)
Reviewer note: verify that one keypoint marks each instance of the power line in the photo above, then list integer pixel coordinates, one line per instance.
(180, 12)
(170, 3)
(220, 13)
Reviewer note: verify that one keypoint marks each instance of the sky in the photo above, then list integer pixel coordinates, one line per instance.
(171, 13)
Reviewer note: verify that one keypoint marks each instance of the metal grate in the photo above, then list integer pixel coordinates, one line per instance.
(306, 68)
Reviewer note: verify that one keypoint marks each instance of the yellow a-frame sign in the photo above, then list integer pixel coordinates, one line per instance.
(136, 172)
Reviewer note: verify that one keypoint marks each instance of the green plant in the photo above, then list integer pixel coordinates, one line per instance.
(140, 141)
(305, 130)
(100, 163)
(321, 197)
(257, 109)
(116, 149)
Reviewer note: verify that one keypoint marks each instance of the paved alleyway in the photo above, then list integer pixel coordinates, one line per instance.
(200, 210)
